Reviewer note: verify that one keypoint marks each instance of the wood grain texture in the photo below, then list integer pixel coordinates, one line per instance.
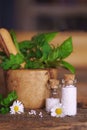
(31, 122)
(30, 85)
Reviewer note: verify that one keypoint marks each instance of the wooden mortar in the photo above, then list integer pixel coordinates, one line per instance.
(30, 85)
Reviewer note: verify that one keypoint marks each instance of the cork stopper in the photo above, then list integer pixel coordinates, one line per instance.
(54, 83)
(69, 78)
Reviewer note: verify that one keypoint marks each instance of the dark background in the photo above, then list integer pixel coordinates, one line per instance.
(35, 15)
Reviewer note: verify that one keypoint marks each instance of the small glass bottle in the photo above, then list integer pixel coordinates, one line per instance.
(53, 99)
(69, 95)
(54, 92)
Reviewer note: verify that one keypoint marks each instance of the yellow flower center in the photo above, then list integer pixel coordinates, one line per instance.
(58, 111)
(16, 108)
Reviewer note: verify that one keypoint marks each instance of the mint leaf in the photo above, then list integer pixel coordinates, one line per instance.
(42, 42)
(26, 44)
(50, 36)
(66, 48)
(4, 110)
(9, 99)
(13, 60)
(15, 66)
(68, 66)
(53, 55)
(46, 49)
(30, 49)
(47, 37)
(13, 35)
(38, 53)
(34, 65)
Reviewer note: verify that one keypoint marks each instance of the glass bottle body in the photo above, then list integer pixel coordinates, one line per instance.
(69, 98)
(53, 100)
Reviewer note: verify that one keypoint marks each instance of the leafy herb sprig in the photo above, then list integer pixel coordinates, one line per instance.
(6, 102)
(38, 53)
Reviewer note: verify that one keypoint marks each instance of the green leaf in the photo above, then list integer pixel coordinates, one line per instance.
(4, 110)
(26, 44)
(50, 36)
(46, 49)
(68, 66)
(38, 53)
(12, 96)
(42, 42)
(4, 102)
(34, 65)
(13, 35)
(52, 64)
(13, 60)
(66, 48)
(15, 66)
(44, 37)
(30, 50)
(8, 100)
(53, 55)
(1, 97)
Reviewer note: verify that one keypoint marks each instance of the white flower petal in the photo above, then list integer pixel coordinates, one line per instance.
(57, 111)
(53, 114)
(17, 107)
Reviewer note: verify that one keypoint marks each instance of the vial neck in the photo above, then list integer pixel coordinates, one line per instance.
(54, 93)
(69, 82)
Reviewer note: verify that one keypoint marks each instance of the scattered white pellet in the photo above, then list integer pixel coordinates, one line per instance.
(41, 114)
(32, 112)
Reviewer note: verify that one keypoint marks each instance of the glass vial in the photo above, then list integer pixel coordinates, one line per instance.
(53, 99)
(69, 95)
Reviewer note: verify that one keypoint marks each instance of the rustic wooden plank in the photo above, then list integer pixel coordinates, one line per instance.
(31, 122)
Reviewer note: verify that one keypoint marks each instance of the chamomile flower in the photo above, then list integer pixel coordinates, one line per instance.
(17, 107)
(57, 111)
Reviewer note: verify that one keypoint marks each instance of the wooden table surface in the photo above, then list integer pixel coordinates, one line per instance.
(31, 122)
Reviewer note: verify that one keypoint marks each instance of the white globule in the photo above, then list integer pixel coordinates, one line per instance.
(50, 103)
